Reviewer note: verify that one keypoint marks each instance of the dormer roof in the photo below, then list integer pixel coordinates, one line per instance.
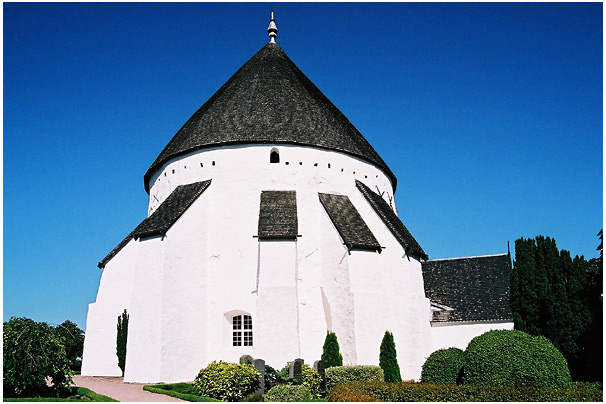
(268, 101)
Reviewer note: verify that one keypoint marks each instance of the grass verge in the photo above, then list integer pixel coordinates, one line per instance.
(184, 391)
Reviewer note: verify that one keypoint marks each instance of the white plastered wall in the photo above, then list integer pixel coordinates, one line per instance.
(209, 266)
(459, 334)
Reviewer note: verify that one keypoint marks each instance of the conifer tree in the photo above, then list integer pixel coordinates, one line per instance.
(556, 296)
(330, 353)
(388, 360)
(121, 338)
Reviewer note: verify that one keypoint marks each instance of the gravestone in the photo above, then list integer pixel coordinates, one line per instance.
(296, 370)
(319, 367)
(260, 366)
(246, 359)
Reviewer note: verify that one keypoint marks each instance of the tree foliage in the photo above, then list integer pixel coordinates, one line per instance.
(330, 353)
(74, 342)
(388, 359)
(33, 353)
(559, 297)
(121, 339)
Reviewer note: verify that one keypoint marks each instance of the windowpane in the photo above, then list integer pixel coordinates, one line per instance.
(237, 322)
(242, 334)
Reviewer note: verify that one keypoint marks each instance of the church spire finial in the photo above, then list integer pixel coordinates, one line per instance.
(272, 29)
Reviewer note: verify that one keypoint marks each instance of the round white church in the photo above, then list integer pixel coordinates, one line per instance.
(271, 221)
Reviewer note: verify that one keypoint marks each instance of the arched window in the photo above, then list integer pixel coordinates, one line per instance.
(242, 334)
(274, 156)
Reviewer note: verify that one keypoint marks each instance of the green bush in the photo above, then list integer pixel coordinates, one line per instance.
(388, 359)
(254, 397)
(514, 358)
(284, 392)
(227, 381)
(346, 374)
(311, 379)
(330, 352)
(418, 392)
(443, 366)
(33, 352)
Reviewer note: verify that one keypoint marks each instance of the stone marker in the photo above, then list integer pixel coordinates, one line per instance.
(246, 359)
(260, 366)
(296, 370)
(319, 367)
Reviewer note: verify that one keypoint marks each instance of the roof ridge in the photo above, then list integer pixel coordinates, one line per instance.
(470, 257)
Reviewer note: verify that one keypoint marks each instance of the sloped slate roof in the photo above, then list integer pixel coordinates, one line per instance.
(350, 225)
(269, 100)
(392, 221)
(476, 287)
(159, 222)
(278, 215)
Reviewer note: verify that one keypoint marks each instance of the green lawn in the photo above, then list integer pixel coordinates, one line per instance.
(80, 394)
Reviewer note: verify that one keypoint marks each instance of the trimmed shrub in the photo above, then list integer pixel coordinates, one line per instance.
(443, 366)
(330, 352)
(514, 358)
(311, 379)
(396, 392)
(388, 359)
(227, 381)
(284, 392)
(346, 374)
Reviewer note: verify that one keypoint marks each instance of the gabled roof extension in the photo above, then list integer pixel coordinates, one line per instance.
(159, 222)
(268, 101)
(477, 288)
(392, 221)
(350, 225)
(278, 215)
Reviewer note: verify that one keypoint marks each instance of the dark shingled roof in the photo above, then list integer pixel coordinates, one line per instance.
(278, 215)
(164, 216)
(269, 100)
(476, 287)
(392, 221)
(350, 225)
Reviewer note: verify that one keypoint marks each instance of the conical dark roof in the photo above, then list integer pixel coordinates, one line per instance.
(269, 100)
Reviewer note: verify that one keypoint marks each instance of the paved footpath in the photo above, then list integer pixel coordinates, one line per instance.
(115, 388)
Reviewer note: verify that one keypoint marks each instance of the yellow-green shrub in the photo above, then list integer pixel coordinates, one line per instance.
(227, 381)
(347, 374)
(285, 392)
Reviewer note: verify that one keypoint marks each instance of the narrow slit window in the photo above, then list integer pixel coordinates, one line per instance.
(274, 156)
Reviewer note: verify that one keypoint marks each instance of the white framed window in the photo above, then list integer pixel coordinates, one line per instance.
(242, 333)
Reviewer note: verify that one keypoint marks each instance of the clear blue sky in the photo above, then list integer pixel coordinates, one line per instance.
(490, 115)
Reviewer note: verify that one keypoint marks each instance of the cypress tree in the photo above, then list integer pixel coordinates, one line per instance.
(121, 338)
(330, 353)
(388, 360)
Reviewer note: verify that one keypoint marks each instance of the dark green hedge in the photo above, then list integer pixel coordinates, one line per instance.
(514, 358)
(443, 366)
(382, 391)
